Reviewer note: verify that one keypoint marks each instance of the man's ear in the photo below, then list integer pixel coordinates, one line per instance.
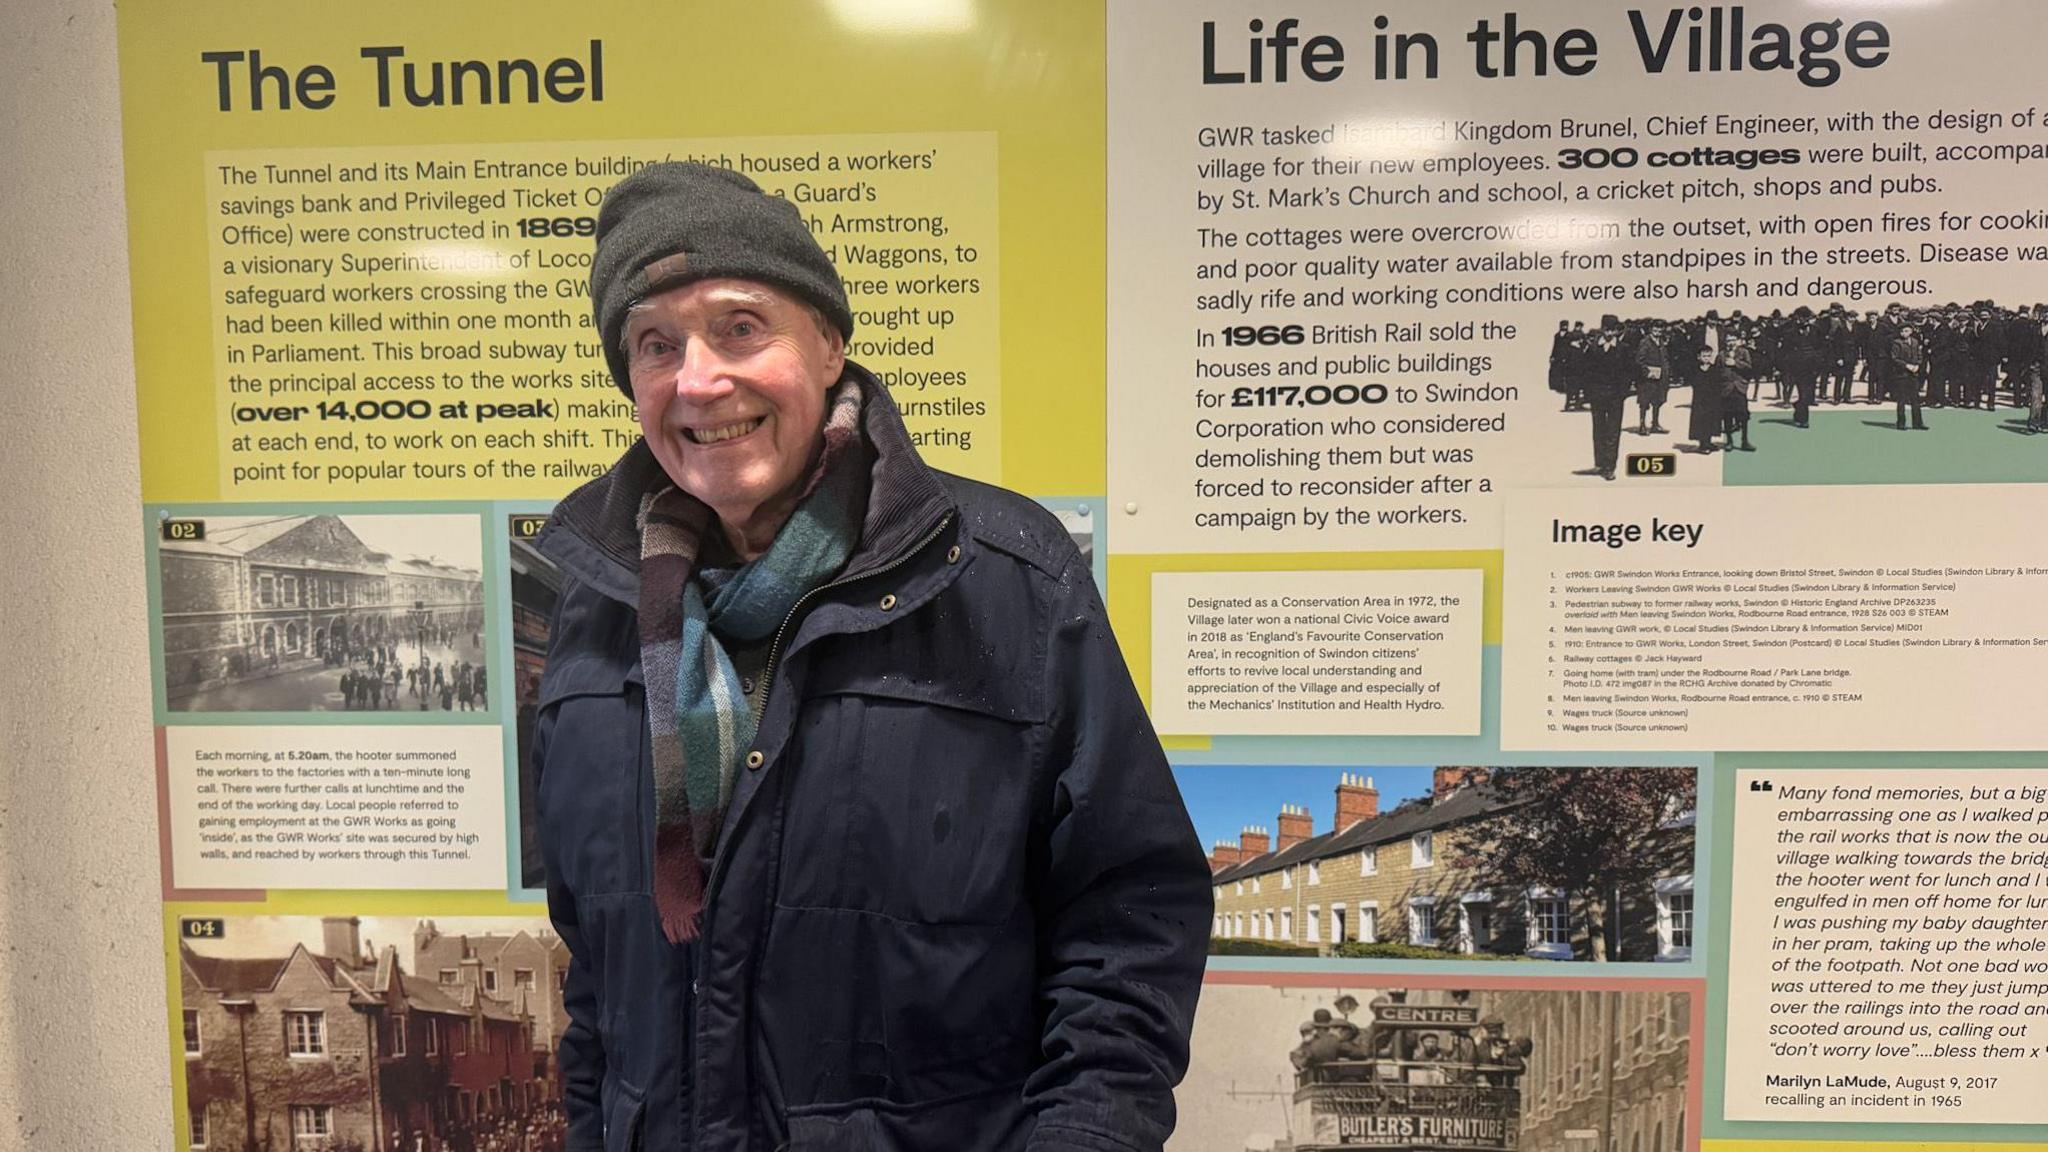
(835, 353)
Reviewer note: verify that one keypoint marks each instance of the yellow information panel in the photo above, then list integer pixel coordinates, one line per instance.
(1564, 483)
(361, 245)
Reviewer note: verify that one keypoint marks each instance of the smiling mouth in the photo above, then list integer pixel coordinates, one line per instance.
(723, 432)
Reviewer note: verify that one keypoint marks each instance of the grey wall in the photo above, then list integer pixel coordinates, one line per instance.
(84, 1051)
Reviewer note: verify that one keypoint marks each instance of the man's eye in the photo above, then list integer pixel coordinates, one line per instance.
(741, 329)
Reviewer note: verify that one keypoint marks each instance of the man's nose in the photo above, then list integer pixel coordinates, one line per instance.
(701, 378)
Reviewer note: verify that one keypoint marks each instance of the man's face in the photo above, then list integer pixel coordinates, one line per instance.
(730, 377)
(1706, 357)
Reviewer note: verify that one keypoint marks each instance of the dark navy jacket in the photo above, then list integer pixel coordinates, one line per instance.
(958, 906)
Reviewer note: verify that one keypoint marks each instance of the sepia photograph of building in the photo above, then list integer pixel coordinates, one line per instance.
(354, 1034)
(1530, 1069)
(1587, 864)
(323, 613)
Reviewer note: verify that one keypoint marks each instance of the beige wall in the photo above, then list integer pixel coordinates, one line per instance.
(84, 1056)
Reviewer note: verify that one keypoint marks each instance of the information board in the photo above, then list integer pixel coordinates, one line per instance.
(1563, 479)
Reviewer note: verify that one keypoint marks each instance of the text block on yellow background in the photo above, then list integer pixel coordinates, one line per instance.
(395, 323)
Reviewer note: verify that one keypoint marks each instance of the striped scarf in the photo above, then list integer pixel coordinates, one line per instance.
(697, 710)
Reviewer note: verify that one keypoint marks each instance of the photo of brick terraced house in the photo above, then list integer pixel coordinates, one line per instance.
(1529, 863)
(344, 1047)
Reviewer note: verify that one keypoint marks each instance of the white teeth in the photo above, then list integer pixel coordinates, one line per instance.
(724, 432)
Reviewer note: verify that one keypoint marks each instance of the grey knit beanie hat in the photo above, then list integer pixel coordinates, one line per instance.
(671, 223)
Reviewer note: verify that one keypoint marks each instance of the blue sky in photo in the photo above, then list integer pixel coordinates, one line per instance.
(1224, 798)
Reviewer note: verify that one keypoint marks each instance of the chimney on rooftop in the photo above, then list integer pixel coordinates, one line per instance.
(1225, 855)
(341, 938)
(1253, 843)
(1357, 801)
(1449, 780)
(1296, 825)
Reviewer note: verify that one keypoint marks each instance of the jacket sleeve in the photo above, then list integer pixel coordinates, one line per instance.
(581, 1056)
(1123, 902)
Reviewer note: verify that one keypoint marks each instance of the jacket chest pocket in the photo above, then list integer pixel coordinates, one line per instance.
(593, 777)
(907, 808)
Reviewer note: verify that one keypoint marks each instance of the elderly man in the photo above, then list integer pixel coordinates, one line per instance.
(854, 825)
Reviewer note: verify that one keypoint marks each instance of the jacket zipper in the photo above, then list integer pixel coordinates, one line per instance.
(775, 649)
(767, 684)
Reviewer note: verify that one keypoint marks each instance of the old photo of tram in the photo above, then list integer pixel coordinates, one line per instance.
(1529, 1069)
(323, 613)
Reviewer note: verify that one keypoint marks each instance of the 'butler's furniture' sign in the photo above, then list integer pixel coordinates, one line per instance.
(1409, 1116)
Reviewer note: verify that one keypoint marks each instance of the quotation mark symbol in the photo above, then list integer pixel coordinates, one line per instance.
(1760, 786)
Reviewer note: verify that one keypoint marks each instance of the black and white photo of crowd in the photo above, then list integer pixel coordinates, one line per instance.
(324, 613)
(1913, 358)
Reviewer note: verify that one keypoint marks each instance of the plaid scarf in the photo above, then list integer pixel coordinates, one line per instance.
(696, 709)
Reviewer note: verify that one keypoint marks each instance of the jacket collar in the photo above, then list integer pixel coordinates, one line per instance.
(594, 534)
